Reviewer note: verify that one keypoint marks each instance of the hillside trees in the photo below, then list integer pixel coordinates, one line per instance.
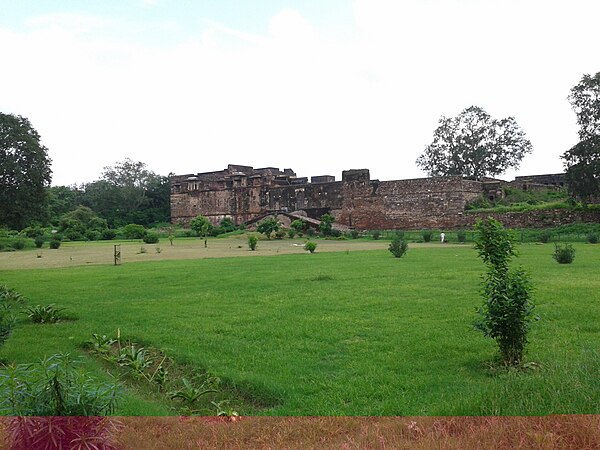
(473, 144)
(582, 161)
(24, 173)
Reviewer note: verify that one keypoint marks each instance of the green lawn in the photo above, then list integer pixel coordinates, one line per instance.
(348, 333)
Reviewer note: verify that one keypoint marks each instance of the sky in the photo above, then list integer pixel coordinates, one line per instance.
(318, 86)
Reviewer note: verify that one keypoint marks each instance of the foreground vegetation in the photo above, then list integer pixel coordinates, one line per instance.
(348, 333)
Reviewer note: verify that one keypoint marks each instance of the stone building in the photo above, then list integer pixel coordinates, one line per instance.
(244, 194)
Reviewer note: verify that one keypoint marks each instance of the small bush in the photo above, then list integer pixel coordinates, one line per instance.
(54, 244)
(545, 237)
(108, 234)
(376, 235)
(39, 241)
(310, 232)
(19, 244)
(354, 234)
(291, 233)
(44, 314)
(461, 236)
(151, 238)
(93, 235)
(310, 246)
(398, 246)
(134, 231)
(564, 254)
(592, 238)
(427, 235)
(252, 241)
(280, 234)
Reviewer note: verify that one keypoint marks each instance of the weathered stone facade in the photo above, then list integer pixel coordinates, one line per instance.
(244, 194)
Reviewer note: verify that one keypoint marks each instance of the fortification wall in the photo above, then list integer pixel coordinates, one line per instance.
(537, 219)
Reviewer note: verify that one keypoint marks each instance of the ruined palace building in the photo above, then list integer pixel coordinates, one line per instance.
(245, 194)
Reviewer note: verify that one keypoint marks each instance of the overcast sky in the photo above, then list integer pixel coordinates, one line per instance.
(317, 86)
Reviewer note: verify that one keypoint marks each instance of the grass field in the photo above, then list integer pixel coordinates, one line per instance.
(348, 331)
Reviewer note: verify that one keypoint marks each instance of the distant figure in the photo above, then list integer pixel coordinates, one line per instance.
(442, 237)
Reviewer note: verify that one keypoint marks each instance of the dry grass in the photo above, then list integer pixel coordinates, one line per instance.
(82, 253)
(549, 432)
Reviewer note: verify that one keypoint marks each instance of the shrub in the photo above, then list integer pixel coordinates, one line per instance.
(268, 226)
(39, 241)
(280, 234)
(427, 235)
(310, 232)
(564, 254)
(252, 241)
(545, 236)
(461, 236)
(310, 246)
(54, 243)
(134, 231)
(326, 224)
(376, 235)
(291, 233)
(54, 387)
(151, 238)
(398, 246)
(592, 238)
(44, 314)
(19, 244)
(298, 225)
(109, 234)
(93, 235)
(354, 234)
(507, 310)
(10, 300)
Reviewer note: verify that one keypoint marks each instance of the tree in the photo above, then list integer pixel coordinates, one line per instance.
(585, 101)
(24, 173)
(268, 226)
(582, 161)
(129, 193)
(473, 144)
(582, 164)
(326, 224)
(201, 225)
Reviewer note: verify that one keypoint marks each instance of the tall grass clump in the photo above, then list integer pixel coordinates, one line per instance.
(507, 311)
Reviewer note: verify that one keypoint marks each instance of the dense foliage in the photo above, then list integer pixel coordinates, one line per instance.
(582, 161)
(473, 144)
(24, 173)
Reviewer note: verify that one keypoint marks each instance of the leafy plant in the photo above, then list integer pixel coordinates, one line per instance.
(19, 244)
(54, 387)
(354, 234)
(398, 246)
(54, 242)
(376, 235)
(280, 234)
(134, 358)
(291, 233)
(252, 241)
(134, 231)
(545, 236)
(326, 224)
(564, 254)
(507, 311)
(592, 238)
(310, 246)
(224, 409)
(461, 236)
(171, 238)
(101, 344)
(44, 314)
(189, 394)
(427, 235)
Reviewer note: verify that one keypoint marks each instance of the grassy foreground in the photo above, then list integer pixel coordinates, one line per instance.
(347, 333)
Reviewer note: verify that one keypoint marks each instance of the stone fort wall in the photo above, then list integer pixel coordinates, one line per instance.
(243, 193)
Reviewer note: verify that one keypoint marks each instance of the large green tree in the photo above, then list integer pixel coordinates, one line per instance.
(129, 193)
(473, 144)
(24, 173)
(582, 161)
